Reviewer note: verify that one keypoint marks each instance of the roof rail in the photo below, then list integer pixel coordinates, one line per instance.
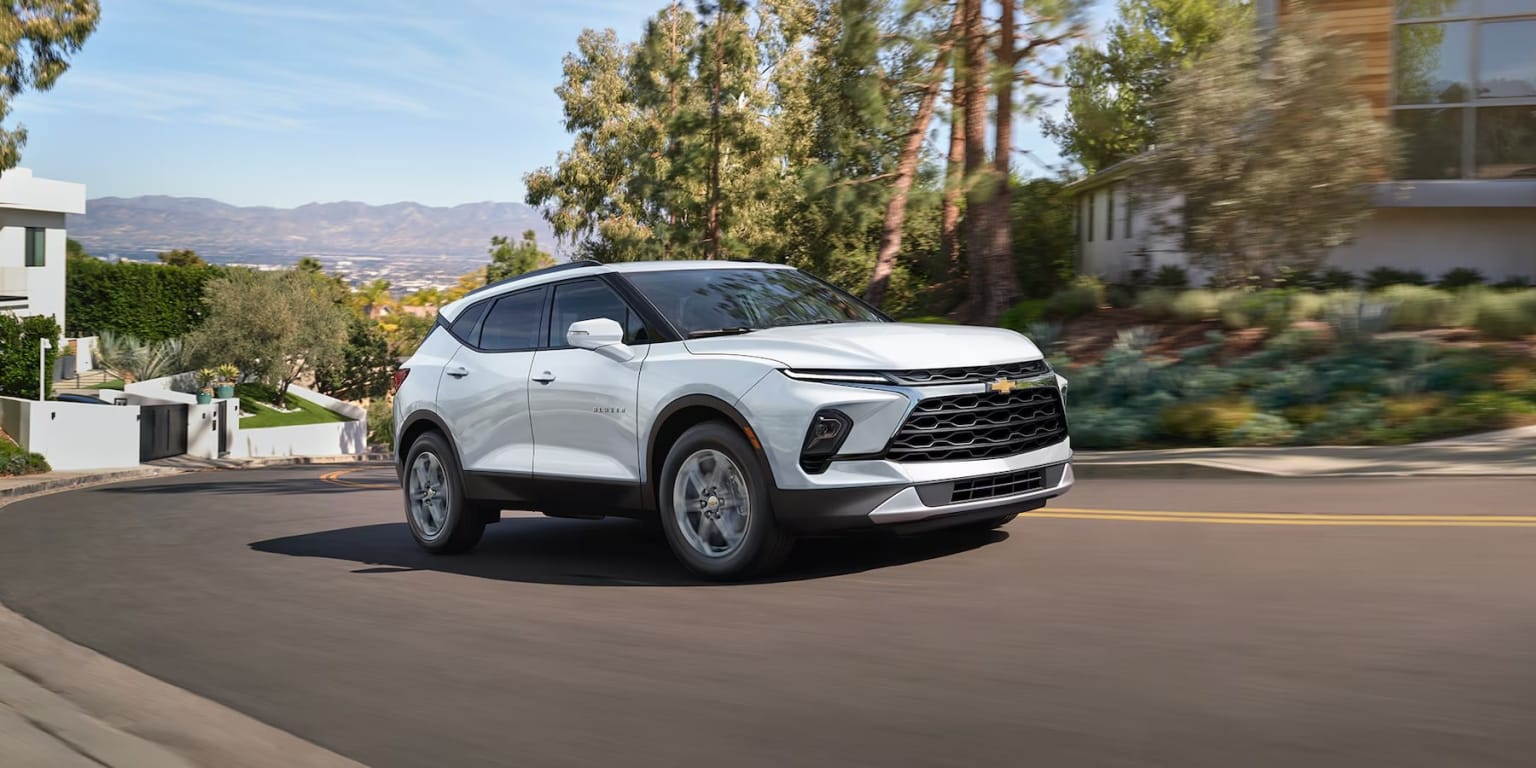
(577, 264)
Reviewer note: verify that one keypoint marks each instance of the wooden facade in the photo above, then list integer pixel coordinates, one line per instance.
(1366, 24)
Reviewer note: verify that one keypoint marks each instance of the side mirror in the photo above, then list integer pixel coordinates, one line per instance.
(600, 335)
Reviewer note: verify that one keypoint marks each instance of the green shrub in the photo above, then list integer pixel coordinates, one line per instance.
(1019, 316)
(1336, 279)
(381, 422)
(1105, 428)
(1197, 305)
(1267, 309)
(1171, 276)
(1513, 283)
(1420, 307)
(1156, 303)
(1074, 301)
(15, 461)
(1261, 429)
(934, 319)
(20, 339)
(1308, 306)
(1505, 315)
(1383, 277)
(1460, 277)
(1119, 296)
(1205, 422)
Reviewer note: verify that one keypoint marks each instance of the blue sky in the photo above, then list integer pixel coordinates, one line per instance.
(280, 102)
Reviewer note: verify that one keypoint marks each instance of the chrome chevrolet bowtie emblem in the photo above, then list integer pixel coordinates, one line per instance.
(1002, 386)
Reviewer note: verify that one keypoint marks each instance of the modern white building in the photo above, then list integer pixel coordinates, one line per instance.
(32, 249)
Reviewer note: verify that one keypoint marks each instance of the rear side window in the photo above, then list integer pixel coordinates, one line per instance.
(513, 322)
(464, 326)
(589, 300)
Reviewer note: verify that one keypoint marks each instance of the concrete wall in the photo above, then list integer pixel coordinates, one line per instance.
(85, 352)
(74, 436)
(336, 438)
(1499, 242)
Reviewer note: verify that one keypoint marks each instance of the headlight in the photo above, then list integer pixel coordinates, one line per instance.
(835, 377)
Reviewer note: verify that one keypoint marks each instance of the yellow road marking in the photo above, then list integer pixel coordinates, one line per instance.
(1281, 518)
(337, 477)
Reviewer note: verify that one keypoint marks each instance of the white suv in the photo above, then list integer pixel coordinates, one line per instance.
(741, 404)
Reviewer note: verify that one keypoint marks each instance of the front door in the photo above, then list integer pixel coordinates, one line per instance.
(583, 402)
(483, 392)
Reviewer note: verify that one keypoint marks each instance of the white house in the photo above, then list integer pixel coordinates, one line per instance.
(32, 239)
(1458, 81)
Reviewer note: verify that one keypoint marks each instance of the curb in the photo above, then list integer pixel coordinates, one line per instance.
(65, 483)
(1170, 470)
(1181, 470)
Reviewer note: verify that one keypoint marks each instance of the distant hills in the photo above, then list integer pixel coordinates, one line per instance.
(139, 227)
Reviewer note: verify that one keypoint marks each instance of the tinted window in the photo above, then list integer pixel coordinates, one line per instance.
(589, 300)
(464, 326)
(513, 322)
(704, 300)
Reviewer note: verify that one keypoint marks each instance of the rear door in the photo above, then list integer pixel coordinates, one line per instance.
(583, 402)
(483, 393)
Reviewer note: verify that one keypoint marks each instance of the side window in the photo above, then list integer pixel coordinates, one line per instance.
(464, 326)
(588, 300)
(513, 322)
(37, 247)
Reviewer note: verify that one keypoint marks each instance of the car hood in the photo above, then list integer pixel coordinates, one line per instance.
(874, 346)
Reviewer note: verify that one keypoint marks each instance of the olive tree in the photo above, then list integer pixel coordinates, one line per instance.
(1272, 149)
(276, 326)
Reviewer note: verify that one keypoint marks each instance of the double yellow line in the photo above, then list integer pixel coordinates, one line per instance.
(338, 477)
(1286, 518)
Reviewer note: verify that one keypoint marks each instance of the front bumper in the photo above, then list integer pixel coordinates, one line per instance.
(925, 505)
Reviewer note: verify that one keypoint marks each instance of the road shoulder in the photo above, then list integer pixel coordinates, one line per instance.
(62, 704)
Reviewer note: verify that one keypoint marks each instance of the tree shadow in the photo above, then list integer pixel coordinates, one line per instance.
(610, 552)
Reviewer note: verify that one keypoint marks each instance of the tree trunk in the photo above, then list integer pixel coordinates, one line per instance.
(712, 212)
(906, 170)
(1002, 285)
(954, 173)
(979, 186)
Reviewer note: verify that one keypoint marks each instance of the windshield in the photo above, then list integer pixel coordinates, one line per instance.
(702, 302)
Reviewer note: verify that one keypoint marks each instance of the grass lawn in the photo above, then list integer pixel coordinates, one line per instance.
(255, 399)
(116, 384)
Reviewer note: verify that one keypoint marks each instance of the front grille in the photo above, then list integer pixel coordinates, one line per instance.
(981, 426)
(998, 485)
(932, 376)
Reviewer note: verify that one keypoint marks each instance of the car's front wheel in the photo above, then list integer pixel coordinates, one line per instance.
(441, 519)
(714, 505)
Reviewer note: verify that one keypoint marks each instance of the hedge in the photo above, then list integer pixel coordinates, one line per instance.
(19, 339)
(152, 302)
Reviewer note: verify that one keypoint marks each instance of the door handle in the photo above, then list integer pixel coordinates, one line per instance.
(543, 378)
(457, 371)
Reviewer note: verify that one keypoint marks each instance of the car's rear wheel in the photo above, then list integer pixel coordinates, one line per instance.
(714, 505)
(441, 519)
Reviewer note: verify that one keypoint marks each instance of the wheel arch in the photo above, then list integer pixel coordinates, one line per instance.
(676, 418)
(416, 425)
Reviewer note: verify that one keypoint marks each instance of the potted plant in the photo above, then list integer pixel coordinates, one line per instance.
(205, 377)
(227, 375)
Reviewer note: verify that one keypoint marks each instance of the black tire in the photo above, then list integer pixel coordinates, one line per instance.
(465, 520)
(764, 546)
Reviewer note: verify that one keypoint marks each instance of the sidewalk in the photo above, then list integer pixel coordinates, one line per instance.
(1511, 453)
(12, 487)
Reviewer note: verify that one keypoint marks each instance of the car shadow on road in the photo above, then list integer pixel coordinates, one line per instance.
(604, 553)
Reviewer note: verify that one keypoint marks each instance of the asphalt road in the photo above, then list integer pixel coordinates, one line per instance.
(1315, 623)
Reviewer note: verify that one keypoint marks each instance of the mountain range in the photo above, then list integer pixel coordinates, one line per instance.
(139, 227)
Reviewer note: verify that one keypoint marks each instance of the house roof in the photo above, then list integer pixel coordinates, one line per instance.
(21, 191)
(1109, 174)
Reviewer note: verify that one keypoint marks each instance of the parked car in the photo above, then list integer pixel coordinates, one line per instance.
(741, 405)
(70, 397)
